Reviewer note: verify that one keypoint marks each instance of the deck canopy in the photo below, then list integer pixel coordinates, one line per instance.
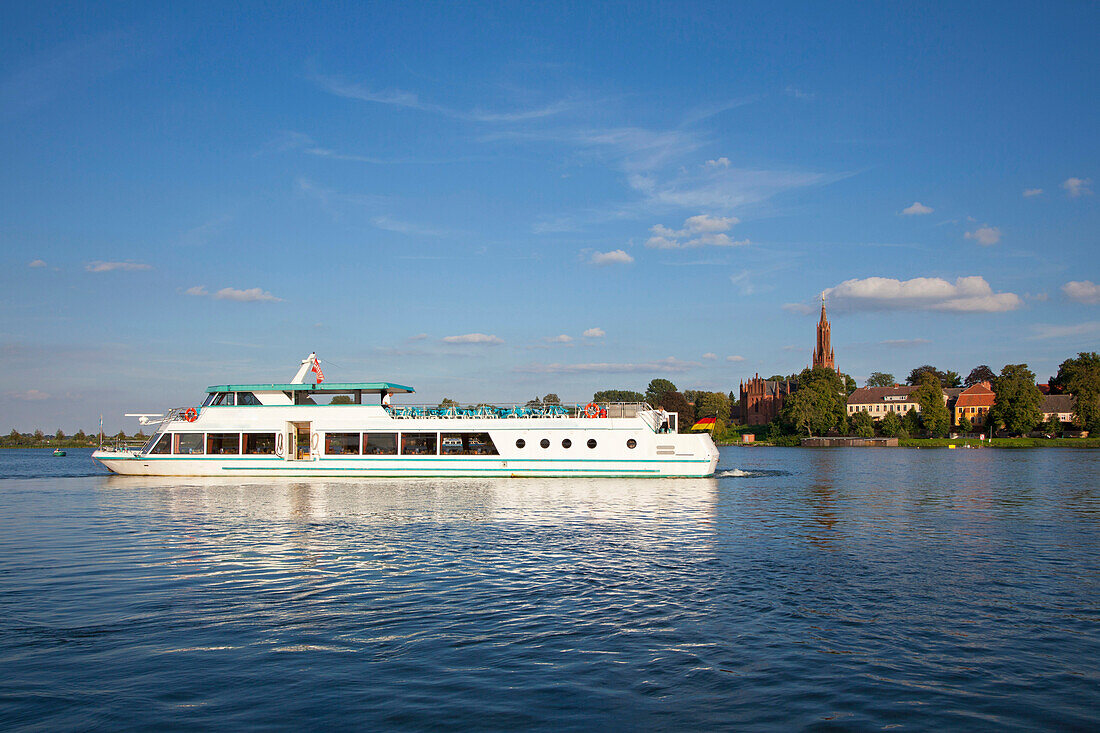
(324, 387)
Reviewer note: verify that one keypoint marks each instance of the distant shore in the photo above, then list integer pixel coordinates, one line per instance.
(958, 443)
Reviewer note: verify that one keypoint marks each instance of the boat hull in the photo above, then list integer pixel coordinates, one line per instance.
(131, 464)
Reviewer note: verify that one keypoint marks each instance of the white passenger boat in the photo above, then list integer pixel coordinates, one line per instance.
(351, 429)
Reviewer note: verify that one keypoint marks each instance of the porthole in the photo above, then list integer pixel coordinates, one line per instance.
(566, 443)
(520, 443)
(591, 442)
(545, 443)
(632, 443)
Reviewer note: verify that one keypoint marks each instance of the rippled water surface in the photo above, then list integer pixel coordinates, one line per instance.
(855, 588)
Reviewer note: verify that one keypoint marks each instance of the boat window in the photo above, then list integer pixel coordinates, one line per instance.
(247, 398)
(380, 444)
(467, 444)
(520, 443)
(262, 444)
(164, 445)
(223, 444)
(544, 443)
(224, 399)
(632, 443)
(418, 444)
(342, 444)
(209, 398)
(566, 443)
(189, 443)
(591, 442)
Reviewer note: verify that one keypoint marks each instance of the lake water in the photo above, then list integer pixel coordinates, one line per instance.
(848, 588)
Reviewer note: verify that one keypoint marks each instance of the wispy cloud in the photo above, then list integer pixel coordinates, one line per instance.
(37, 263)
(594, 333)
(671, 365)
(797, 93)
(402, 227)
(28, 395)
(735, 358)
(197, 290)
(966, 295)
(1082, 291)
(418, 337)
(1029, 192)
(1077, 330)
(720, 189)
(985, 236)
(916, 209)
(710, 356)
(411, 100)
(248, 295)
(100, 266)
(1077, 187)
(560, 339)
(474, 338)
(614, 257)
(718, 163)
(698, 231)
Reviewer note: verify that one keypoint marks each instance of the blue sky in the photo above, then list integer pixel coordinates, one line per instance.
(494, 201)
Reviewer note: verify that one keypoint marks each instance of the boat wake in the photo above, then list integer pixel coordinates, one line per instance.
(738, 473)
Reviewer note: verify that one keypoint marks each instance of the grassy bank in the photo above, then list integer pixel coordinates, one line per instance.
(1001, 443)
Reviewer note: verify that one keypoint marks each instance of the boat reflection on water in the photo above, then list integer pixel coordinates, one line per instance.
(528, 500)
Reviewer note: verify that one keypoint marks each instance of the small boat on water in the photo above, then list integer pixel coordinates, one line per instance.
(59, 453)
(352, 429)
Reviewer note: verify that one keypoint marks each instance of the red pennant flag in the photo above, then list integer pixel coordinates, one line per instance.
(318, 372)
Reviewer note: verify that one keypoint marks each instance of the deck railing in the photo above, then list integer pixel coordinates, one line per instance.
(511, 411)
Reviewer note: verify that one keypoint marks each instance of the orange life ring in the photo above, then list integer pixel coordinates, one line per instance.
(591, 410)
(191, 415)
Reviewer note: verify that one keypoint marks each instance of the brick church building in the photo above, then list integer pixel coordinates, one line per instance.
(762, 399)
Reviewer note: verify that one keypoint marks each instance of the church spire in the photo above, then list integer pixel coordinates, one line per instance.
(823, 351)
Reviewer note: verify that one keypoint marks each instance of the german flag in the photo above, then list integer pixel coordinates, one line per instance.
(707, 423)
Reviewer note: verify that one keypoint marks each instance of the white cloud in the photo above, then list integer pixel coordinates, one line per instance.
(196, 290)
(561, 339)
(917, 209)
(402, 227)
(594, 333)
(735, 357)
(671, 365)
(966, 295)
(985, 236)
(614, 257)
(1077, 186)
(1083, 291)
(709, 356)
(250, 295)
(1051, 331)
(418, 337)
(719, 163)
(798, 93)
(473, 338)
(718, 188)
(1029, 192)
(698, 231)
(30, 395)
(99, 266)
(37, 263)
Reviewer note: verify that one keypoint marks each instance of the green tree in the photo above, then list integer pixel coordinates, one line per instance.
(551, 399)
(60, 435)
(819, 403)
(910, 424)
(38, 436)
(1017, 400)
(849, 383)
(80, 435)
(862, 425)
(880, 379)
(980, 373)
(1080, 377)
(1053, 425)
(657, 389)
(890, 425)
(447, 402)
(933, 408)
(951, 379)
(914, 376)
(673, 401)
(618, 395)
(341, 399)
(965, 425)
